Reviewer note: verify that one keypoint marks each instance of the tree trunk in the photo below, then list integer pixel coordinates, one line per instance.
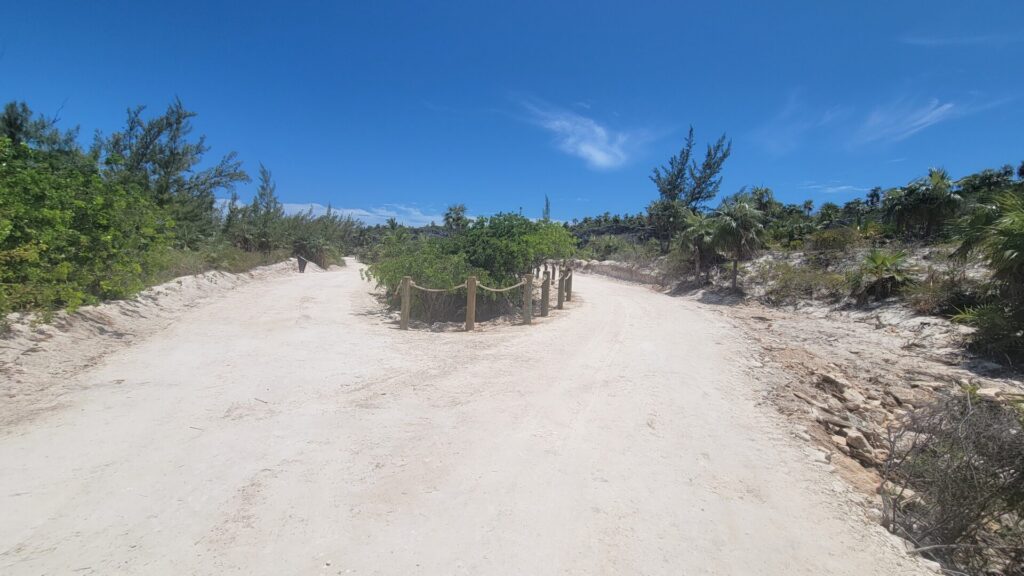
(735, 271)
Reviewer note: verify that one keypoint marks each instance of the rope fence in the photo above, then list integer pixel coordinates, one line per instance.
(527, 284)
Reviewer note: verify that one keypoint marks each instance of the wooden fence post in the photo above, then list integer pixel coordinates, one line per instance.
(568, 286)
(470, 303)
(528, 299)
(406, 302)
(561, 290)
(545, 293)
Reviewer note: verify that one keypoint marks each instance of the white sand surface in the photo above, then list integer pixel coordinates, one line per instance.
(284, 427)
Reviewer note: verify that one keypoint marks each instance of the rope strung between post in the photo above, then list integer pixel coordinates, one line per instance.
(489, 289)
(437, 290)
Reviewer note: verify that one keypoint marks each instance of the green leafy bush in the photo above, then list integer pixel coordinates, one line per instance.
(835, 239)
(498, 250)
(67, 236)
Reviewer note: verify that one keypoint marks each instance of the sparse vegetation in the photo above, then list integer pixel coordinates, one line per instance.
(955, 483)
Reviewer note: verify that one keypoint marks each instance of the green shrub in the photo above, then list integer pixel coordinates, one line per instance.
(621, 249)
(785, 283)
(999, 331)
(835, 239)
(995, 230)
(881, 275)
(68, 237)
(498, 250)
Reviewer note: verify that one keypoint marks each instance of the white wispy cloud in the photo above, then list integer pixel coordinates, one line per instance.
(832, 187)
(408, 215)
(979, 40)
(599, 146)
(793, 124)
(902, 119)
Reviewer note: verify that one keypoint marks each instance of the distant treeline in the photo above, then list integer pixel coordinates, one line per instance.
(135, 208)
(979, 216)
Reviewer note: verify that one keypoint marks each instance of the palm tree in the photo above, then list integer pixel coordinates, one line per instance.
(828, 214)
(874, 197)
(455, 219)
(995, 229)
(924, 204)
(698, 237)
(737, 229)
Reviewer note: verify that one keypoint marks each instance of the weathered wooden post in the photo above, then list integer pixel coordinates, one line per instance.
(470, 303)
(561, 290)
(528, 299)
(545, 293)
(406, 302)
(568, 286)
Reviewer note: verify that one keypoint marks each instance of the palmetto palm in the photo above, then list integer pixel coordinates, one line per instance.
(737, 230)
(698, 237)
(923, 204)
(995, 229)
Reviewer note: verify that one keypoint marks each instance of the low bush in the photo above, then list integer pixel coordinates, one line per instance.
(881, 275)
(621, 250)
(955, 484)
(839, 239)
(942, 291)
(999, 330)
(498, 250)
(785, 283)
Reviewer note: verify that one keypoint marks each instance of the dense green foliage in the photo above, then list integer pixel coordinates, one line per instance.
(498, 250)
(68, 236)
(79, 226)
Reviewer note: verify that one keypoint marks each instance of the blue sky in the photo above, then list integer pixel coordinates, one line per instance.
(403, 108)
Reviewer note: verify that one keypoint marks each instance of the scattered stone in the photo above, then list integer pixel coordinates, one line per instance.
(912, 396)
(853, 395)
(839, 440)
(874, 515)
(832, 384)
(856, 440)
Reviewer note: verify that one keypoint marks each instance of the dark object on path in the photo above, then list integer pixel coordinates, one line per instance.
(302, 264)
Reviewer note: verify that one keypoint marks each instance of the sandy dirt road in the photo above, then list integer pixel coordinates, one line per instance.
(285, 429)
